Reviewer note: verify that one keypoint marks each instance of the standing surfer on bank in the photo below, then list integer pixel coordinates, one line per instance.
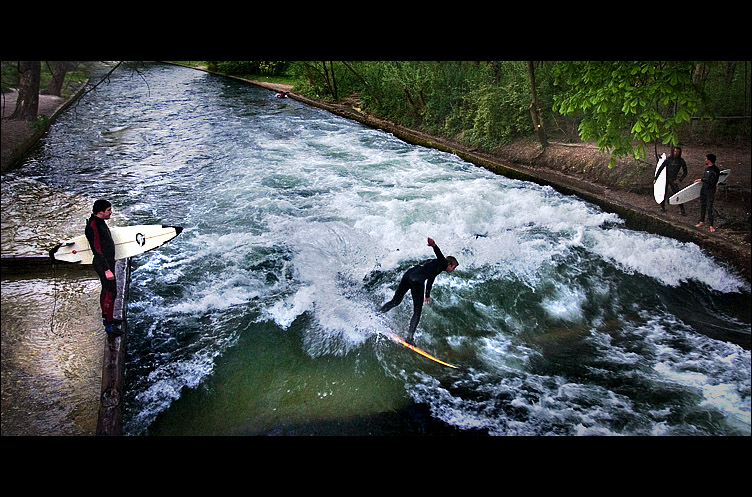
(103, 248)
(673, 164)
(707, 195)
(415, 279)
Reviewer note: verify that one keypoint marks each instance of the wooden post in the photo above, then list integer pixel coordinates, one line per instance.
(24, 264)
(113, 365)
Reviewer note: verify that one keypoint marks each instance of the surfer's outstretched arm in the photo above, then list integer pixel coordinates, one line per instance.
(436, 250)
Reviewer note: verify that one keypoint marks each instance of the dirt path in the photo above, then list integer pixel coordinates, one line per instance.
(16, 134)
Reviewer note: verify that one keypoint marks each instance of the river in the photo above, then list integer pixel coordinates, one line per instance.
(260, 318)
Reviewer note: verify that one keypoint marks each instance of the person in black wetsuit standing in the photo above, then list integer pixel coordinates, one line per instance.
(103, 247)
(673, 164)
(707, 193)
(415, 279)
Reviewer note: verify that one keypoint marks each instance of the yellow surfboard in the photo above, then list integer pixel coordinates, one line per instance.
(416, 349)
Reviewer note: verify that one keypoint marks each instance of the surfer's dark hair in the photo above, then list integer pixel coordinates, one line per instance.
(100, 205)
(452, 261)
(711, 158)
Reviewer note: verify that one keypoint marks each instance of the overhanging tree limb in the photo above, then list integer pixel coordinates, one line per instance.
(627, 104)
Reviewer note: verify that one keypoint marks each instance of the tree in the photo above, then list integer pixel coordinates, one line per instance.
(410, 79)
(58, 69)
(320, 77)
(628, 104)
(535, 108)
(27, 104)
(330, 79)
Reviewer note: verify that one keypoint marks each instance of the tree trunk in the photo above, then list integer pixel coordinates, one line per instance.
(27, 104)
(363, 80)
(534, 109)
(329, 79)
(730, 68)
(59, 70)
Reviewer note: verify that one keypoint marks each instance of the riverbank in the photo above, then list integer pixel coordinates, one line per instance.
(576, 169)
(19, 137)
(626, 189)
(23, 200)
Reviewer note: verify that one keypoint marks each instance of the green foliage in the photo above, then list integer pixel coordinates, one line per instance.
(9, 77)
(324, 80)
(500, 110)
(726, 111)
(40, 123)
(620, 105)
(248, 67)
(482, 103)
(626, 102)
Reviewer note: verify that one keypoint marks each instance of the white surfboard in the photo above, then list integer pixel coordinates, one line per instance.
(129, 241)
(693, 191)
(659, 188)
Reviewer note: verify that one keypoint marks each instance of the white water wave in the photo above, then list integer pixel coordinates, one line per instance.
(667, 260)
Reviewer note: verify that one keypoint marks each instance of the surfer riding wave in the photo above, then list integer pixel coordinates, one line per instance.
(419, 280)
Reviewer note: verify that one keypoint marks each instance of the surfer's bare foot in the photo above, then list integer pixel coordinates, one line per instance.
(699, 224)
(712, 230)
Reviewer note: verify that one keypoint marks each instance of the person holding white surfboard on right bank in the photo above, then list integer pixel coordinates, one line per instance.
(707, 193)
(673, 164)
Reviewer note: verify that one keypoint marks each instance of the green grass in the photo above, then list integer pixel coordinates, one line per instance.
(285, 79)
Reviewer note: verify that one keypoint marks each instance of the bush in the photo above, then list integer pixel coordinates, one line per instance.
(248, 67)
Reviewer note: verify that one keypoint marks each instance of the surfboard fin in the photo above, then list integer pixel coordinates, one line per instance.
(53, 250)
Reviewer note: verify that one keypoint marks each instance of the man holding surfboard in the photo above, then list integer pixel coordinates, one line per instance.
(415, 279)
(103, 247)
(707, 193)
(673, 164)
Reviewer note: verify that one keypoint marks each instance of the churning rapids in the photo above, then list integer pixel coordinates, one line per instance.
(260, 317)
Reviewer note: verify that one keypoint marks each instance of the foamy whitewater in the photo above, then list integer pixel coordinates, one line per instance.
(298, 225)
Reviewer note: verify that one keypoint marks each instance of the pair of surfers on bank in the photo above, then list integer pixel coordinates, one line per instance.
(666, 172)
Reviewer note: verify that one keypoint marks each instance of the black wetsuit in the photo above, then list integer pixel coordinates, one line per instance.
(673, 165)
(103, 248)
(414, 280)
(707, 193)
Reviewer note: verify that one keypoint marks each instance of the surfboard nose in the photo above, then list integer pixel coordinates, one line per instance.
(178, 229)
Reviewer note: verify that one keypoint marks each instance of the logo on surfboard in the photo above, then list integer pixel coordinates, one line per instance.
(140, 239)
